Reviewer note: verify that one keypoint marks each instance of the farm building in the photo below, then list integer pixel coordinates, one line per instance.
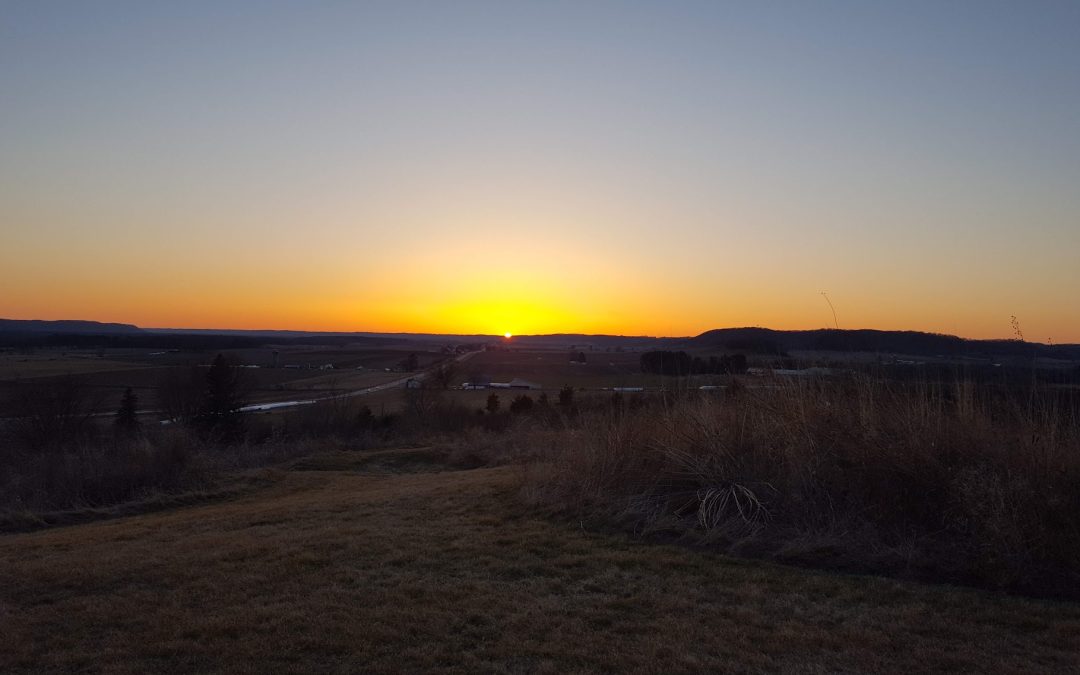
(516, 383)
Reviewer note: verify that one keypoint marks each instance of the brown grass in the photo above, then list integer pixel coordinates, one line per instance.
(106, 379)
(22, 366)
(83, 481)
(552, 368)
(337, 570)
(944, 482)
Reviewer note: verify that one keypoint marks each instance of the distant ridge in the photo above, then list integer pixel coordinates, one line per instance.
(746, 339)
(766, 340)
(292, 334)
(66, 327)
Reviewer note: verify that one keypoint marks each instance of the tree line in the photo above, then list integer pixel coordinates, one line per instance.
(681, 364)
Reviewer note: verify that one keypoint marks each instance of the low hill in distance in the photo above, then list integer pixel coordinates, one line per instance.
(754, 340)
(767, 341)
(66, 327)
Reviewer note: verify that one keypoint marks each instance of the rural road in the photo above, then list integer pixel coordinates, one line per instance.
(393, 384)
(282, 405)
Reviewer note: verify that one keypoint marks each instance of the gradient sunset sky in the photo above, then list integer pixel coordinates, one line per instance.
(622, 167)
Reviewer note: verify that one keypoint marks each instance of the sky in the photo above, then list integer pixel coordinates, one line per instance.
(647, 168)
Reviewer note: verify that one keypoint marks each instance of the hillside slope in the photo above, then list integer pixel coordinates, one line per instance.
(346, 564)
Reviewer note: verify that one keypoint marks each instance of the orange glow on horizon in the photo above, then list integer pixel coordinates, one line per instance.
(530, 316)
(536, 288)
(482, 283)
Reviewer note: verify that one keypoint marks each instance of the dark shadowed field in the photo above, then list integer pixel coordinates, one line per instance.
(101, 376)
(401, 561)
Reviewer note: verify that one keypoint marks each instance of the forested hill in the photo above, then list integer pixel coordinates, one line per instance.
(748, 340)
(768, 341)
(66, 327)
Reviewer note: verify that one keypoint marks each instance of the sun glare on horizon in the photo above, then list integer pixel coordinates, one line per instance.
(508, 335)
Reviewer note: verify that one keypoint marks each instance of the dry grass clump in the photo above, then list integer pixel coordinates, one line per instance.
(953, 482)
(58, 458)
(39, 487)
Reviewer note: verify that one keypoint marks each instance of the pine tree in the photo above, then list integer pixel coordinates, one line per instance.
(127, 420)
(223, 399)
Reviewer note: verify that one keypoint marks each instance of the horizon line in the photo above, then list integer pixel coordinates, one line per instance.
(528, 335)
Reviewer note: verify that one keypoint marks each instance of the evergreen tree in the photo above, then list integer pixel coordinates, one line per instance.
(223, 398)
(126, 420)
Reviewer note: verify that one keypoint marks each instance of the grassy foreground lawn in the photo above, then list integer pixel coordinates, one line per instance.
(344, 565)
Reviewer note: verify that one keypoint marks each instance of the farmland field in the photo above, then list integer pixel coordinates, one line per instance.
(103, 375)
(553, 369)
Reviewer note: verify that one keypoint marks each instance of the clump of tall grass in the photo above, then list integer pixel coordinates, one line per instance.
(108, 471)
(101, 470)
(951, 481)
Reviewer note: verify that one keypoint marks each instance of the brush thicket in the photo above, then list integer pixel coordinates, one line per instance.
(955, 481)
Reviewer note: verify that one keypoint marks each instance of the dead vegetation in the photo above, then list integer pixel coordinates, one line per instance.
(947, 482)
(952, 482)
(338, 570)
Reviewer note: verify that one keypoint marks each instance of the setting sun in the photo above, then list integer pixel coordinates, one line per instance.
(508, 335)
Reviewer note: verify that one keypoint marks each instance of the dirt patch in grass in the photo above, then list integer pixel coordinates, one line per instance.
(338, 571)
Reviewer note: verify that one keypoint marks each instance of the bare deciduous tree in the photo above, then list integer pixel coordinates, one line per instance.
(180, 393)
(443, 375)
(422, 398)
(53, 414)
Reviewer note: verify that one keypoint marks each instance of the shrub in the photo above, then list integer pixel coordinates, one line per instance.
(948, 482)
(51, 414)
(521, 404)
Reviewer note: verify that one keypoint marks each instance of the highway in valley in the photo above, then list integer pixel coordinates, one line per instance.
(393, 384)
